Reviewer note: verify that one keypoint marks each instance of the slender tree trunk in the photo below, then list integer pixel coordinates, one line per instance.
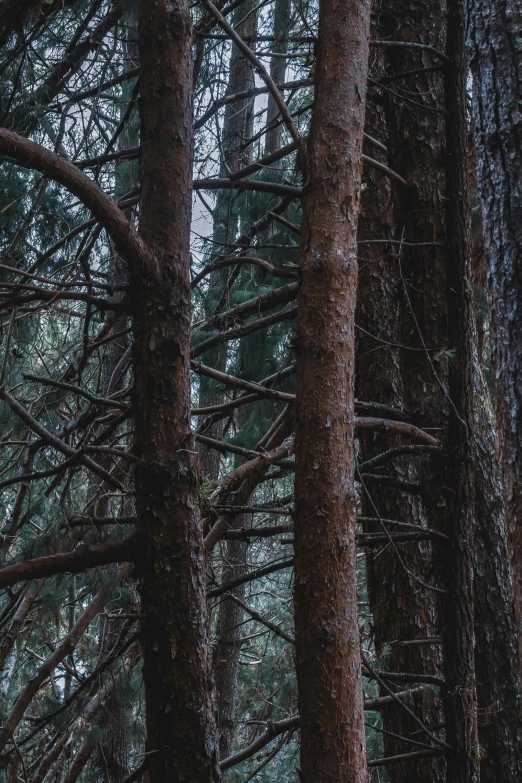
(327, 633)
(237, 128)
(228, 646)
(180, 723)
(460, 697)
(10, 635)
(495, 35)
(277, 71)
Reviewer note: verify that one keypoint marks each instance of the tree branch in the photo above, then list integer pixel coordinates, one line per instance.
(33, 156)
(75, 562)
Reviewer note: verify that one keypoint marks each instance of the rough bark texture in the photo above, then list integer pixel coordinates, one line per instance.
(277, 71)
(393, 283)
(327, 633)
(176, 657)
(460, 698)
(495, 35)
(228, 647)
(496, 655)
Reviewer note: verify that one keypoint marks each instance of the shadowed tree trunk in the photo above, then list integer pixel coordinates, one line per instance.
(277, 71)
(495, 35)
(399, 287)
(460, 696)
(237, 128)
(235, 154)
(327, 633)
(180, 723)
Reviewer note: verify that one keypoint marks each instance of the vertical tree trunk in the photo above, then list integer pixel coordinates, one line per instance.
(403, 608)
(237, 129)
(327, 632)
(495, 35)
(460, 698)
(180, 724)
(496, 656)
(277, 71)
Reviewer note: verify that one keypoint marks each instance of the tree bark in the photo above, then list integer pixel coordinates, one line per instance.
(327, 633)
(496, 655)
(460, 697)
(404, 609)
(180, 722)
(277, 72)
(495, 35)
(237, 128)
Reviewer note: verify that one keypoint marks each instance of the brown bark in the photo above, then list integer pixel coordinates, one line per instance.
(496, 655)
(33, 156)
(460, 697)
(237, 129)
(277, 71)
(180, 722)
(404, 609)
(327, 633)
(75, 562)
(495, 34)
(228, 646)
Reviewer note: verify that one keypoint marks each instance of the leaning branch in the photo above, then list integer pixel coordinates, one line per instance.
(75, 562)
(33, 156)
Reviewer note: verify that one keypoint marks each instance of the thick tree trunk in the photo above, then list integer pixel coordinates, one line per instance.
(496, 656)
(327, 633)
(401, 608)
(495, 35)
(403, 287)
(180, 724)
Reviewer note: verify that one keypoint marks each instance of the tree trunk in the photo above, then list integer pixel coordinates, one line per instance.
(237, 128)
(495, 35)
(399, 288)
(327, 633)
(180, 723)
(277, 71)
(460, 697)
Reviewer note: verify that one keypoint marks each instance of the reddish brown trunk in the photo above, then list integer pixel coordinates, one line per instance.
(176, 658)
(327, 633)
